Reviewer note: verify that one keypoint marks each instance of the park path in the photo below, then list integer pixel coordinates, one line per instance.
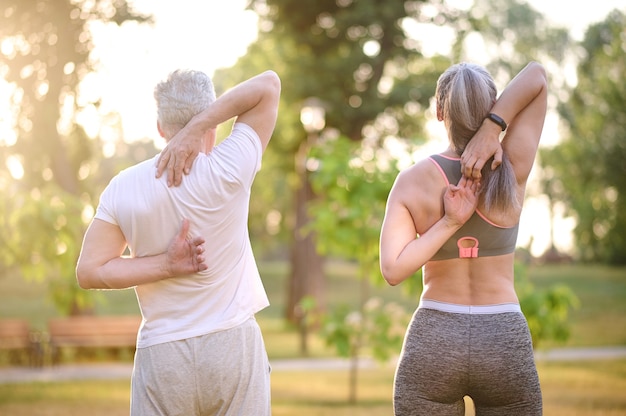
(113, 371)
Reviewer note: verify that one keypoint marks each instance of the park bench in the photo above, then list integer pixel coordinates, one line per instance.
(19, 343)
(92, 332)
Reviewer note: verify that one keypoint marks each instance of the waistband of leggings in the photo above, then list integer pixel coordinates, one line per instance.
(469, 309)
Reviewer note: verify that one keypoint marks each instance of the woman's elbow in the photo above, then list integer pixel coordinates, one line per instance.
(540, 71)
(391, 278)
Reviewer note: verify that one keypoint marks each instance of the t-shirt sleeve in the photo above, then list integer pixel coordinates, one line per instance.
(105, 210)
(241, 153)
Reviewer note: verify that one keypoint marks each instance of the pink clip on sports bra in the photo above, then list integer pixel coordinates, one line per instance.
(467, 252)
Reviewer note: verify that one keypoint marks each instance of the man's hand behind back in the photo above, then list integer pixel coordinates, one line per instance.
(184, 254)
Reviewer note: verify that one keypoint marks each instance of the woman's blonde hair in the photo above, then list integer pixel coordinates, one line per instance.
(465, 94)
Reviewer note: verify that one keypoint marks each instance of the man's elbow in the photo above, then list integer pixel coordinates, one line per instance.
(84, 277)
(272, 82)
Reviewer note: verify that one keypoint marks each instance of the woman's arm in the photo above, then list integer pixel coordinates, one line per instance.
(101, 265)
(522, 105)
(401, 253)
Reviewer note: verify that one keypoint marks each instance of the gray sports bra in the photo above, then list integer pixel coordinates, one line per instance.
(478, 236)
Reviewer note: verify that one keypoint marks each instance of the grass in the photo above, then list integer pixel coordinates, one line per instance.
(601, 318)
(599, 321)
(590, 388)
(584, 388)
(569, 389)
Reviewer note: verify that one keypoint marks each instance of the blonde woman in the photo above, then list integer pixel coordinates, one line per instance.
(468, 335)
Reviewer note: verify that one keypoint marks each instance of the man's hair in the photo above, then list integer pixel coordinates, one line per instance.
(465, 94)
(181, 96)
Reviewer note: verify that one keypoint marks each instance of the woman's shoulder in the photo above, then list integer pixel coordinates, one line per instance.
(420, 188)
(421, 180)
(419, 167)
(423, 171)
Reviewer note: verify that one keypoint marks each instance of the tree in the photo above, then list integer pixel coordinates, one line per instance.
(357, 59)
(46, 47)
(362, 60)
(352, 180)
(506, 34)
(587, 170)
(377, 327)
(365, 63)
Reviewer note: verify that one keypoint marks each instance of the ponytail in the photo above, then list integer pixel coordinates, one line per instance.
(498, 187)
(465, 94)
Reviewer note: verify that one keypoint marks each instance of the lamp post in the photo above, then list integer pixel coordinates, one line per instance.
(307, 277)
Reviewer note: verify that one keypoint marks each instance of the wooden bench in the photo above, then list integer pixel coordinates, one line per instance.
(112, 332)
(19, 342)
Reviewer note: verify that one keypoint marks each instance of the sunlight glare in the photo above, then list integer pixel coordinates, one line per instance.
(16, 169)
(8, 136)
(87, 214)
(186, 34)
(371, 48)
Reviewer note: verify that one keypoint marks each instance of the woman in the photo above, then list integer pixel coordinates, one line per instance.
(468, 335)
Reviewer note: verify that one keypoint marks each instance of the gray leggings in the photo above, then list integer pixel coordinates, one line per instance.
(447, 356)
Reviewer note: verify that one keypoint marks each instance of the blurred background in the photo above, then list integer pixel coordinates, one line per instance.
(358, 77)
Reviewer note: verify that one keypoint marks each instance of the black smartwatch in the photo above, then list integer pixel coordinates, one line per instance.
(497, 119)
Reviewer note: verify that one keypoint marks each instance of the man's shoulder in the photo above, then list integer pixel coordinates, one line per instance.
(143, 166)
(243, 131)
(136, 172)
(241, 137)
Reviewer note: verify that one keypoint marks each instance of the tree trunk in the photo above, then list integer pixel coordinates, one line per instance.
(307, 276)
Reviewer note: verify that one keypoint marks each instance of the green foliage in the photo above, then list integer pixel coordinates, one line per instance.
(306, 311)
(317, 48)
(342, 52)
(379, 328)
(45, 56)
(587, 170)
(42, 233)
(352, 189)
(352, 181)
(547, 310)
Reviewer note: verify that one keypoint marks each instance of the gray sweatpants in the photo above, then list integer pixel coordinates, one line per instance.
(487, 356)
(226, 373)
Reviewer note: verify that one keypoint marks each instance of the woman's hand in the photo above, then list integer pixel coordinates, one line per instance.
(185, 255)
(484, 145)
(460, 201)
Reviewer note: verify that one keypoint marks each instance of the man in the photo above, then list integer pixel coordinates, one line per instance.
(199, 348)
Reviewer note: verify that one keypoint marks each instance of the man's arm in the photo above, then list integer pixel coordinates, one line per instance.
(101, 265)
(254, 102)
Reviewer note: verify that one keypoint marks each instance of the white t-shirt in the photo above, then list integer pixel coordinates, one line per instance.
(215, 197)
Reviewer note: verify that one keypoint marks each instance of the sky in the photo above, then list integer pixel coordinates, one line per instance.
(576, 15)
(203, 35)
